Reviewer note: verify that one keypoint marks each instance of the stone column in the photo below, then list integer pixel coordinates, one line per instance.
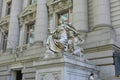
(1, 2)
(3, 8)
(80, 15)
(25, 3)
(101, 11)
(0, 41)
(41, 27)
(13, 35)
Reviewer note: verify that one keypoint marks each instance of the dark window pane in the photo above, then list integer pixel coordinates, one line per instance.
(116, 57)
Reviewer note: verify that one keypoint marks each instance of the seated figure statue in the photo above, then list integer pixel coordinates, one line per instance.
(64, 39)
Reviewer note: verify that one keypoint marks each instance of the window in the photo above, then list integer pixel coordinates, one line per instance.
(30, 33)
(32, 1)
(63, 17)
(8, 8)
(116, 57)
(4, 41)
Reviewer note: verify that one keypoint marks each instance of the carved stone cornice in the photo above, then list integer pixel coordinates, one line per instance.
(4, 22)
(28, 10)
(58, 5)
(28, 14)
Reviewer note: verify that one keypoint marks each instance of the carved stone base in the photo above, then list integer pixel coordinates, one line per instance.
(64, 67)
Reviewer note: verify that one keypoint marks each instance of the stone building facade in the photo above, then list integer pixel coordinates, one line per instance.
(25, 25)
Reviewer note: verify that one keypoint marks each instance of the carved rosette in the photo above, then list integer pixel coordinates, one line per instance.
(58, 5)
(4, 22)
(28, 14)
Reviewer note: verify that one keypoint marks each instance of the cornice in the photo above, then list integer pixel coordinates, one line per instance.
(28, 14)
(4, 22)
(58, 5)
(28, 10)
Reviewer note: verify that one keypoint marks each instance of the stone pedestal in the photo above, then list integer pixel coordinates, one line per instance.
(64, 67)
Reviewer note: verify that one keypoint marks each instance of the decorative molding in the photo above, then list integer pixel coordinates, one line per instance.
(101, 26)
(98, 49)
(4, 22)
(28, 14)
(58, 5)
(28, 10)
(49, 76)
(8, 1)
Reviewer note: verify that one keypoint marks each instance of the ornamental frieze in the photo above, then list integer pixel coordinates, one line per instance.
(58, 5)
(49, 76)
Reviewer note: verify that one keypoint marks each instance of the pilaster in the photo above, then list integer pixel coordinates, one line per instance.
(22, 35)
(1, 2)
(0, 41)
(3, 8)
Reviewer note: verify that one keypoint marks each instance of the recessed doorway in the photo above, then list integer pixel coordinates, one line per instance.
(16, 75)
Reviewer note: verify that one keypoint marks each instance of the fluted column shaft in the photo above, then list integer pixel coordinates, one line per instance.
(13, 35)
(101, 11)
(22, 35)
(0, 41)
(1, 2)
(25, 3)
(3, 8)
(80, 15)
(41, 21)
